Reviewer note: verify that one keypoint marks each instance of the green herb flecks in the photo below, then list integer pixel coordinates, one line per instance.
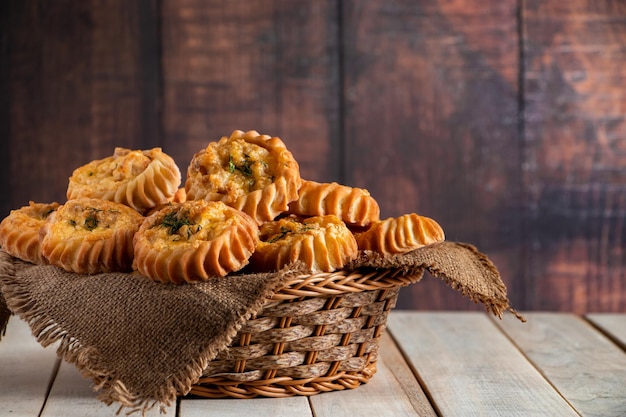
(174, 221)
(180, 225)
(91, 222)
(284, 231)
(231, 164)
(245, 167)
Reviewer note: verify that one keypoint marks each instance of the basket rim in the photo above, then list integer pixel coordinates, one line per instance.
(342, 282)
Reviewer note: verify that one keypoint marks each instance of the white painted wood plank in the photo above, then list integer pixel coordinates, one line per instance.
(72, 396)
(611, 323)
(583, 365)
(470, 368)
(382, 396)
(395, 362)
(257, 407)
(26, 369)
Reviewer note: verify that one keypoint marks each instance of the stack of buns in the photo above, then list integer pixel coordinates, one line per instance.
(243, 205)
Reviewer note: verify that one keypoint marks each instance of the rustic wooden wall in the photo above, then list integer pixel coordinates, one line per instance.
(504, 120)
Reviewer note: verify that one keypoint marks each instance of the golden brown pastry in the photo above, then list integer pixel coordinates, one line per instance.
(179, 197)
(140, 179)
(90, 235)
(400, 234)
(355, 206)
(251, 172)
(194, 241)
(322, 243)
(19, 231)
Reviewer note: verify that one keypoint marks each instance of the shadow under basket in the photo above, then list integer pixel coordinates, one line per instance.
(319, 333)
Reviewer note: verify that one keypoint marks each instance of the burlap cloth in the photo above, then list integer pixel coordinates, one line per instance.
(143, 343)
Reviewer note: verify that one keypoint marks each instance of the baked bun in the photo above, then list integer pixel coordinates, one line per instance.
(19, 231)
(355, 206)
(251, 172)
(140, 179)
(400, 234)
(179, 197)
(89, 236)
(322, 243)
(194, 241)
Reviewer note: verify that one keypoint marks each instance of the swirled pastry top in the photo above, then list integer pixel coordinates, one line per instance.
(251, 172)
(400, 234)
(139, 179)
(90, 235)
(19, 231)
(355, 206)
(194, 241)
(322, 243)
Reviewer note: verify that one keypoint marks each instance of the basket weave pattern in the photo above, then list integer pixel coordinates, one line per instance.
(319, 333)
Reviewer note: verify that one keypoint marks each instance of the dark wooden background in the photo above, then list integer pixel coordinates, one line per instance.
(502, 119)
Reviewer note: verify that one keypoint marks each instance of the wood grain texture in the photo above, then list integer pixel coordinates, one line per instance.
(258, 407)
(71, 395)
(481, 371)
(612, 324)
(505, 121)
(470, 368)
(26, 370)
(582, 364)
(270, 66)
(393, 360)
(431, 121)
(575, 154)
(76, 75)
(5, 104)
(382, 396)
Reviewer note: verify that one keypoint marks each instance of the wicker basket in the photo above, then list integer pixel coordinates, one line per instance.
(319, 333)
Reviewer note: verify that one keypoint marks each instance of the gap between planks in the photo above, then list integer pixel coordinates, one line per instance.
(27, 371)
(584, 365)
(470, 367)
(612, 325)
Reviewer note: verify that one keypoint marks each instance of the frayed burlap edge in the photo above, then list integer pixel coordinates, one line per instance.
(425, 259)
(5, 315)
(5, 312)
(87, 360)
(498, 305)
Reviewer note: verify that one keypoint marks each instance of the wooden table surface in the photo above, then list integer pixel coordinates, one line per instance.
(430, 364)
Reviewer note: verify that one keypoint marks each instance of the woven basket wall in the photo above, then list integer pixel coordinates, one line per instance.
(319, 333)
